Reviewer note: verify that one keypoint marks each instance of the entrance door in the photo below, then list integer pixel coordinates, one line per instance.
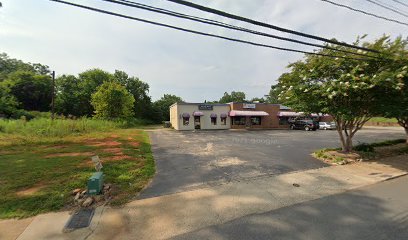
(197, 122)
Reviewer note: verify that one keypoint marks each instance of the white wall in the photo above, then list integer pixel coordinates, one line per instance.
(205, 120)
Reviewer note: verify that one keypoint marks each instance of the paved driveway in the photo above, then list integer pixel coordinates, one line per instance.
(188, 160)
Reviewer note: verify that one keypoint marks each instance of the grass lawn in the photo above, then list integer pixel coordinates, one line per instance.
(38, 176)
(383, 120)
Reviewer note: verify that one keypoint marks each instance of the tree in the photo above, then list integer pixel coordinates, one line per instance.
(164, 103)
(10, 65)
(8, 103)
(395, 101)
(88, 83)
(233, 97)
(143, 104)
(32, 91)
(68, 96)
(350, 90)
(273, 94)
(112, 101)
(257, 99)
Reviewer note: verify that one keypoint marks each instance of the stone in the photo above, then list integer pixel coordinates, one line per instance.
(77, 197)
(88, 202)
(76, 191)
(99, 198)
(106, 187)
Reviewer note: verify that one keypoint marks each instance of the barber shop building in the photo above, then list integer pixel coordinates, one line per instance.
(190, 116)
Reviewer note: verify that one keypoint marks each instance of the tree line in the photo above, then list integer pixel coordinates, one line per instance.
(26, 87)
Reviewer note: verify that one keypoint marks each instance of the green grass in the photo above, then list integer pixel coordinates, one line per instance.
(383, 120)
(50, 131)
(33, 165)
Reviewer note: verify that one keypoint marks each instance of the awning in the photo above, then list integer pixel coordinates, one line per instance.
(235, 113)
(185, 115)
(297, 114)
(213, 115)
(223, 115)
(290, 114)
(198, 114)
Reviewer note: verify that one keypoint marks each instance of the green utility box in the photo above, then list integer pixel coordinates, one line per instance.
(95, 183)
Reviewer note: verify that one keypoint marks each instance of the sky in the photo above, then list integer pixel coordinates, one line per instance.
(197, 68)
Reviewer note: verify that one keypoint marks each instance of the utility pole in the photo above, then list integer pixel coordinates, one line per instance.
(53, 95)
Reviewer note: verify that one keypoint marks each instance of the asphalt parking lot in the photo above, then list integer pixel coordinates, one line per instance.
(187, 160)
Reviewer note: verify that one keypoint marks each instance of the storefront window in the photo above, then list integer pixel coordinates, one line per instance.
(223, 121)
(238, 120)
(186, 121)
(213, 121)
(255, 120)
(284, 121)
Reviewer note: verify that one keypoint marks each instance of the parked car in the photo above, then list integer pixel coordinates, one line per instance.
(304, 124)
(327, 125)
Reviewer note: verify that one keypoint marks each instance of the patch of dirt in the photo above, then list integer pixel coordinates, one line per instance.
(349, 156)
(114, 136)
(71, 154)
(54, 147)
(105, 143)
(117, 158)
(134, 144)
(30, 191)
(338, 158)
(116, 151)
(5, 152)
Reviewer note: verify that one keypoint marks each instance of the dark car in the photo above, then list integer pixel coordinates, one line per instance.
(305, 124)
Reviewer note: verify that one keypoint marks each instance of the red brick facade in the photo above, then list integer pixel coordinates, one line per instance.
(267, 122)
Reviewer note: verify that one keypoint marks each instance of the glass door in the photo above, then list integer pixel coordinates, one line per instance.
(197, 122)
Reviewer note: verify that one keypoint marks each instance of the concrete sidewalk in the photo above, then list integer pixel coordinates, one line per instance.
(172, 215)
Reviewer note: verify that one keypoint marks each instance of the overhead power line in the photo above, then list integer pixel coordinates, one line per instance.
(201, 33)
(267, 25)
(365, 12)
(404, 4)
(224, 25)
(378, 3)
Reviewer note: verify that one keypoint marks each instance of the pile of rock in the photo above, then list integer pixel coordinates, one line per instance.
(83, 199)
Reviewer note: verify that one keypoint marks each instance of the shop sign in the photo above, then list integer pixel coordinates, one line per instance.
(205, 107)
(249, 105)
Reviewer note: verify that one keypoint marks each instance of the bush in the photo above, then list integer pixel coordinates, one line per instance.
(364, 147)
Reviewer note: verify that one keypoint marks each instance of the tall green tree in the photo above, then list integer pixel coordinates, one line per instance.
(140, 90)
(112, 101)
(88, 83)
(164, 103)
(273, 96)
(68, 96)
(348, 89)
(233, 97)
(32, 91)
(10, 65)
(394, 102)
(8, 103)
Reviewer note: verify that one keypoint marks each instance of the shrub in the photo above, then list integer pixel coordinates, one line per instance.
(364, 147)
